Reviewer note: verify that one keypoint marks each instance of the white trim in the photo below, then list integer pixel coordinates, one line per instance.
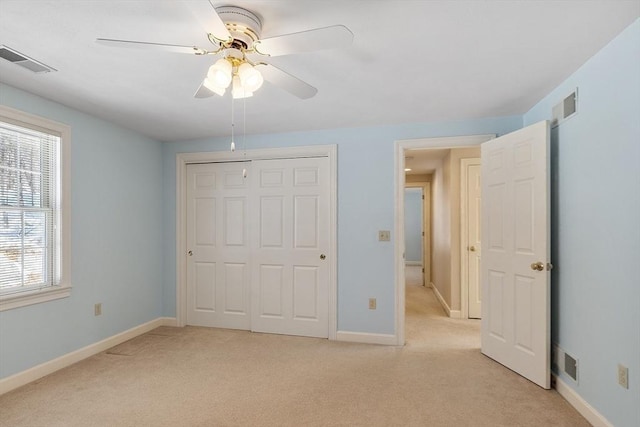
(582, 406)
(413, 263)
(22, 299)
(63, 288)
(25, 377)
(168, 321)
(399, 179)
(182, 159)
(454, 314)
(366, 338)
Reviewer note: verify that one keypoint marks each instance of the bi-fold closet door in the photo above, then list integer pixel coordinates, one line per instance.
(257, 246)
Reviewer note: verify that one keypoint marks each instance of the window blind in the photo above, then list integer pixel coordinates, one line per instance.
(29, 208)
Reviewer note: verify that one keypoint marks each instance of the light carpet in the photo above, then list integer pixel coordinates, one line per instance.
(215, 377)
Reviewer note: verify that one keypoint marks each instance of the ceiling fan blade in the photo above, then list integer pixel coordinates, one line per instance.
(203, 92)
(152, 46)
(208, 18)
(305, 41)
(286, 81)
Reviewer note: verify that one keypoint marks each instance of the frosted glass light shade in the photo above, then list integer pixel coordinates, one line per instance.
(220, 73)
(250, 78)
(238, 91)
(212, 87)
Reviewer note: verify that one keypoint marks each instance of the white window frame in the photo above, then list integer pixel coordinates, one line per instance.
(63, 288)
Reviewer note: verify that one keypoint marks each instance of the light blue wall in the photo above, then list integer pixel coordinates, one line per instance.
(116, 237)
(413, 225)
(365, 205)
(596, 226)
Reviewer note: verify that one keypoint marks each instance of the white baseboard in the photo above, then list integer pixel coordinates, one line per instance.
(25, 377)
(367, 338)
(168, 321)
(594, 417)
(454, 314)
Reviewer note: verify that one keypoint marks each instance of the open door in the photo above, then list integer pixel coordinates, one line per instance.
(515, 252)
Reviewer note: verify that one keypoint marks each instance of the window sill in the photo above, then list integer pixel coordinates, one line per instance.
(11, 301)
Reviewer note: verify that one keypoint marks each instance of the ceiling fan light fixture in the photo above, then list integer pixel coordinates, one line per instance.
(238, 91)
(220, 73)
(209, 84)
(250, 78)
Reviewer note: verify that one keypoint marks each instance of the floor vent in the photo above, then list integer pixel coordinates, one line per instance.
(565, 109)
(24, 61)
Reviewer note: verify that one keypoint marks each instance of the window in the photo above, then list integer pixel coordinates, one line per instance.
(34, 209)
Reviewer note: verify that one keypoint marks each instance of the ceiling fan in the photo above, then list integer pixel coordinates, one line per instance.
(244, 64)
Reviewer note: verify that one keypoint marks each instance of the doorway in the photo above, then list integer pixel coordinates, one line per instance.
(418, 228)
(446, 238)
(515, 224)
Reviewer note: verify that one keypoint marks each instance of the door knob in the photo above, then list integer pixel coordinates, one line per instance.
(537, 266)
(190, 253)
(472, 248)
(323, 256)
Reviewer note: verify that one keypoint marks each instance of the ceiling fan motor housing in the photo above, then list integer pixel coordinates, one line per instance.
(245, 26)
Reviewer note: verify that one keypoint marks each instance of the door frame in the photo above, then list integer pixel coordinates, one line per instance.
(426, 228)
(183, 159)
(464, 238)
(399, 153)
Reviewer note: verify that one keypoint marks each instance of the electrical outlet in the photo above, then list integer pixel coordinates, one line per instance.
(97, 309)
(623, 376)
(384, 235)
(372, 303)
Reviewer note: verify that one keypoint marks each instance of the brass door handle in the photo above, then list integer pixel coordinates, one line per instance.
(323, 256)
(190, 253)
(537, 266)
(472, 248)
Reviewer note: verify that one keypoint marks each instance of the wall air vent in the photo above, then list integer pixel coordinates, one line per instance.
(565, 109)
(561, 362)
(23, 60)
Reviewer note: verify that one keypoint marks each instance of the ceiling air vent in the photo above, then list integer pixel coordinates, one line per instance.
(565, 109)
(23, 60)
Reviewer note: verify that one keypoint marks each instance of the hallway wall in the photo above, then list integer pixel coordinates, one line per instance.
(446, 226)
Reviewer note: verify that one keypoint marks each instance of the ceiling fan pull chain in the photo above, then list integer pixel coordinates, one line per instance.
(244, 134)
(233, 144)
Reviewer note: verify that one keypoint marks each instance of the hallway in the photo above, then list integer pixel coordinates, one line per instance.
(426, 324)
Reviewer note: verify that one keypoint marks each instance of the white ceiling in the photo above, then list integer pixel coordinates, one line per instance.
(411, 61)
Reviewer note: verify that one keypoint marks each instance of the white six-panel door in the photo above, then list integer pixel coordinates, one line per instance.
(515, 252)
(290, 272)
(218, 270)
